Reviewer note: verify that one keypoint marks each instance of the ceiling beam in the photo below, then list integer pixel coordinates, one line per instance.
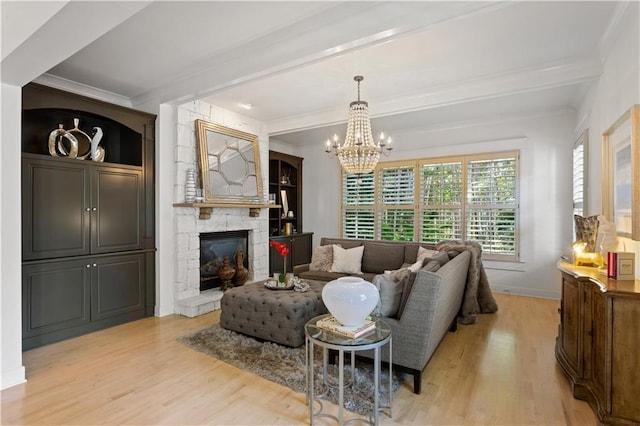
(69, 29)
(488, 87)
(338, 30)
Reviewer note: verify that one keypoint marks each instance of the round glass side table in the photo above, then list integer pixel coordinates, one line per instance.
(327, 340)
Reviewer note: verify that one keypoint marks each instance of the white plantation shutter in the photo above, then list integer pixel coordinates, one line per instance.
(441, 224)
(441, 201)
(358, 197)
(396, 203)
(579, 174)
(396, 185)
(358, 224)
(463, 198)
(492, 204)
(358, 190)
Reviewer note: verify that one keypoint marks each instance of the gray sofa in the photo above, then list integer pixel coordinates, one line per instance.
(431, 307)
(379, 256)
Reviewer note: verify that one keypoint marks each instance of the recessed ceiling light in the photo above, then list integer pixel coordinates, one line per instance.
(246, 106)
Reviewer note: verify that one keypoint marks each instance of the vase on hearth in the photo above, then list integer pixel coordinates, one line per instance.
(190, 186)
(226, 273)
(350, 299)
(242, 273)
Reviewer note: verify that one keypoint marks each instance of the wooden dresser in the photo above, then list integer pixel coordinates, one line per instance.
(598, 344)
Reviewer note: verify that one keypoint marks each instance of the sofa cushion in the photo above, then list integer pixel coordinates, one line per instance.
(330, 276)
(379, 257)
(342, 242)
(321, 258)
(347, 261)
(321, 276)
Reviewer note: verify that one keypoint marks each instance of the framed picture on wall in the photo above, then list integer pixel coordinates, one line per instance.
(621, 173)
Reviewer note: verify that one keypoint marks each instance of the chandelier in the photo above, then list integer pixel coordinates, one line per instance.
(359, 153)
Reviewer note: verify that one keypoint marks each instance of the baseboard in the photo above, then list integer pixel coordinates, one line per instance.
(531, 292)
(13, 377)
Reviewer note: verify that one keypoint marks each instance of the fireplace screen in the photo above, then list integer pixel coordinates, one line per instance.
(214, 247)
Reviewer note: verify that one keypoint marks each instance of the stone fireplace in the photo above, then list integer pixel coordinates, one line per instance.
(189, 299)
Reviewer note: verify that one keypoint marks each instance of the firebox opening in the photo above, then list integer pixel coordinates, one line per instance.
(214, 246)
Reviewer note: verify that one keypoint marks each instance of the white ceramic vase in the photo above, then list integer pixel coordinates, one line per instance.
(190, 186)
(350, 299)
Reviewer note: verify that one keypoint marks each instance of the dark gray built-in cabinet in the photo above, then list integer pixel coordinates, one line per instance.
(88, 230)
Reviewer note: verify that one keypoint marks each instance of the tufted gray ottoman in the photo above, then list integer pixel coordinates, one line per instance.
(275, 315)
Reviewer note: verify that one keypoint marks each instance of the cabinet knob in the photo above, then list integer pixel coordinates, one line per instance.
(95, 264)
(94, 209)
(88, 209)
(88, 266)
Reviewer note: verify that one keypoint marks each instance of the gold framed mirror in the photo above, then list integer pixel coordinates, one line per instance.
(621, 173)
(229, 162)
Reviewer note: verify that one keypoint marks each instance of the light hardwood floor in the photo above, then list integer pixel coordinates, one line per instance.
(500, 371)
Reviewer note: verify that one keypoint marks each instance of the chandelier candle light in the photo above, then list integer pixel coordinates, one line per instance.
(359, 154)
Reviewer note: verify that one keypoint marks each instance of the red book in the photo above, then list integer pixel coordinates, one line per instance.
(612, 264)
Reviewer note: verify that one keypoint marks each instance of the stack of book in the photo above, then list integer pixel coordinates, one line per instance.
(333, 325)
(621, 265)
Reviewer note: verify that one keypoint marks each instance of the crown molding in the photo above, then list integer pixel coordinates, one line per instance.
(603, 48)
(82, 89)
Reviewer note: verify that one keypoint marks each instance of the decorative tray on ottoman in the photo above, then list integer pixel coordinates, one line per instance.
(273, 285)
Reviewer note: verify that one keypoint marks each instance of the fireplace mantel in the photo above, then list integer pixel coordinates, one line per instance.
(206, 208)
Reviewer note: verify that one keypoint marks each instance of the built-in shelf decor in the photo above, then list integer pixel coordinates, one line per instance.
(207, 208)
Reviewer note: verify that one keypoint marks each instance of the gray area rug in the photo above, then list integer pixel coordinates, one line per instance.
(286, 366)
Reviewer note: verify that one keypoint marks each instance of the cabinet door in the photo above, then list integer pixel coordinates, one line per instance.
(301, 249)
(55, 296)
(571, 323)
(117, 285)
(117, 221)
(624, 370)
(55, 196)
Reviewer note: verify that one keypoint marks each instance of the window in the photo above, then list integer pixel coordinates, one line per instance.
(580, 174)
(396, 203)
(441, 207)
(492, 204)
(358, 218)
(429, 200)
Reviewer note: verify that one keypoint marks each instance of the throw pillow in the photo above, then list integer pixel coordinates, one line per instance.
(347, 261)
(430, 266)
(389, 286)
(426, 255)
(321, 258)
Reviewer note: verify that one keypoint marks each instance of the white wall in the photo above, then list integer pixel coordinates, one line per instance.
(545, 144)
(618, 89)
(11, 370)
